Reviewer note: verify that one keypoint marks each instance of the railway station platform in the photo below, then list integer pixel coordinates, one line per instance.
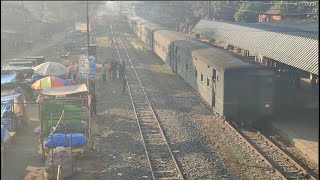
(301, 129)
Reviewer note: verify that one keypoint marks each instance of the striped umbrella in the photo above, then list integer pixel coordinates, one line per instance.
(49, 82)
(51, 69)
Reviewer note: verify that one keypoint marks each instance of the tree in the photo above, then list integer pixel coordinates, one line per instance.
(302, 9)
(249, 11)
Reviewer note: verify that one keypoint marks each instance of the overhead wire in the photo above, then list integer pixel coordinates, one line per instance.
(256, 12)
(285, 3)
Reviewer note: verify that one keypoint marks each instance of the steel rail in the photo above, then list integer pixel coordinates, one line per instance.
(161, 167)
(284, 166)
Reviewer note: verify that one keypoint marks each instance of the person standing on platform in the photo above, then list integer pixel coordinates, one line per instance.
(104, 73)
(93, 104)
(124, 81)
(113, 70)
(123, 76)
(109, 67)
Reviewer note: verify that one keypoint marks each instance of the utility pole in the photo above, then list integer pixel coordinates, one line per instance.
(112, 8)
(27, 34)
(208, 10)
(88, 42)
(88, 80)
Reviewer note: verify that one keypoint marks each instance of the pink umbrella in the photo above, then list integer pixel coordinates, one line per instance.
(73, 68)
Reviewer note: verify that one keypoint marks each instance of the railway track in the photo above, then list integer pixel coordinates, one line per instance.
(285, 167)
(161, 160)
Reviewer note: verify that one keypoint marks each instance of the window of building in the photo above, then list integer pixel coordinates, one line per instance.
(208, 81)
(208, 66)
(214, 74)
(196, 74)
(201, 77)
(186, 65)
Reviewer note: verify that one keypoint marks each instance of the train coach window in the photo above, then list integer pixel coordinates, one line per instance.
(208, 81)
(201, 77)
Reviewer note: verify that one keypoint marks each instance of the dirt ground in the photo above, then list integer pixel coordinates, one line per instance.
(206, 150)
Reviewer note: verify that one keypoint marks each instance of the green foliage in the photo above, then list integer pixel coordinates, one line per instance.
(190, 12)
(249, 12)
(299, 9)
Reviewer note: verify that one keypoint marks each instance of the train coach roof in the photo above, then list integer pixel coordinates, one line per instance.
(153, 26)
(218, 58)
(170, 35)
(139, 20)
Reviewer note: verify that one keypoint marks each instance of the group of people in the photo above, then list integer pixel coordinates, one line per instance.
(115, 70)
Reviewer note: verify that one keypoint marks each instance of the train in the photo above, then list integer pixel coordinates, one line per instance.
(232, 87)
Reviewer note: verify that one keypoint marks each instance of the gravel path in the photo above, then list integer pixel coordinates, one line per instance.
(194, 133)
(178, 107)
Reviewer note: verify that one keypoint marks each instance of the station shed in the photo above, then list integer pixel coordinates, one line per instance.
(280, 43)
(291, 49)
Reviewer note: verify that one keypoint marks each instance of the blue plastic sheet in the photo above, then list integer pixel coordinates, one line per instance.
(4, 134)
(8, 123)
(9, 97)
(17, 68)
(5, 107)
(59, 139)
(7, 78)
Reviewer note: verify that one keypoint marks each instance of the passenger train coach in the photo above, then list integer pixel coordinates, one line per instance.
(233, 88)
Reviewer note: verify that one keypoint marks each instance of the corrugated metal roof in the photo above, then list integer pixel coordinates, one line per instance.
(296, 51)
(214, 57)
(303, 29)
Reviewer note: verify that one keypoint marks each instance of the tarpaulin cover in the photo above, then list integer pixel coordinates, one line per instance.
(7, 78)
(9, 97)
(65, 90)
(4, 134)
(8, 123)
(59, 139)
(5, 108)
(17, 68)
(61, 128)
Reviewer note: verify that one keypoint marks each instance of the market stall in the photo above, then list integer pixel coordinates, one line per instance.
(63, 122)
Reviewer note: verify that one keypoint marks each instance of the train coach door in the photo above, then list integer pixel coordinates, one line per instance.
(171, 55)
(214, 75)
(175, 58)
